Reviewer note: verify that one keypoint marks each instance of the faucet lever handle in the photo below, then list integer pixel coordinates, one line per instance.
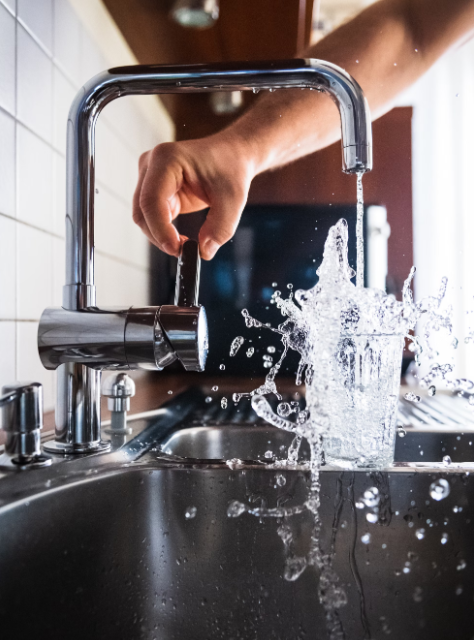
(22, 421)
(187, 277)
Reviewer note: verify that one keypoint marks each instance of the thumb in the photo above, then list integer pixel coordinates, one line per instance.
(222, 220)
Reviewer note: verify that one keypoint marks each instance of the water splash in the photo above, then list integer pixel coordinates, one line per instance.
(350, 341)
(235, 346)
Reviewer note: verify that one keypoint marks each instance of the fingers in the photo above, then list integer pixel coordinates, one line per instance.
(156, 198)
(172, 181)
(222, 220)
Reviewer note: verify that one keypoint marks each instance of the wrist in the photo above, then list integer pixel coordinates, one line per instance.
(242, 138)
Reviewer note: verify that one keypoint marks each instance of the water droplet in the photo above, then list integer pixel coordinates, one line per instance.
(271, 349)
(250, 352)
(235, 346)
(170, 392)
(407, 567)
(444, 538)
(224, 403)
(284, 409)
(359, 505)
(222, 367)
(235, 509)
(236, 397)
(234, 462)
(420, 534)
(190, 513)
(269, 454)
(432, 390)
(372, 517)
(439, 489)
(462, 565)
(280, 480)
(457, 509)
(471, 400)
(401, 432)
(412, 397)
(366, 538)
(274, 284)
(371, 497)
(208, 399)
(215, 388)
(447, 460)
(458, 590)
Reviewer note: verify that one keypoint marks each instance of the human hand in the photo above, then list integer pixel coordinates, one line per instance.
(182, 177)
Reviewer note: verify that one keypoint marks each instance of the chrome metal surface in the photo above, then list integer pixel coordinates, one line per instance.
(147, 338)
(188, 274)
(77, 411)
(185, 323)
(79, 291)
(78, 408)
(118, 388)
(187, 332)
(21, 417)
(103, 339)
(165, 561)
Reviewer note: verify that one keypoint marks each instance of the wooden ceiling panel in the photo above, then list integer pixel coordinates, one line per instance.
(245, 30)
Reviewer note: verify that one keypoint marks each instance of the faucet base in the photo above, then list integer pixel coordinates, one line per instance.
(7, 463)
(66, 448)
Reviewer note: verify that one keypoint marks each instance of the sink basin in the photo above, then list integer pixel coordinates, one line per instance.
(223, 442)
(110, 548)
(114, 556)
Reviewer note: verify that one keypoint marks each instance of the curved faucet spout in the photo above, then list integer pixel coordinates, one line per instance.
(356, 133)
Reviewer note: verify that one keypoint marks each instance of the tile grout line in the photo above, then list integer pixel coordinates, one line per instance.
(7, 8)
(34, 37)
(18, 320)
(31, 226)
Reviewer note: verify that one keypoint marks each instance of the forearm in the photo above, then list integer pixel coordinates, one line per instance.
(385, 48)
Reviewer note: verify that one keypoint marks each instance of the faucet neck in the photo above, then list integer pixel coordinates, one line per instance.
(79, 291)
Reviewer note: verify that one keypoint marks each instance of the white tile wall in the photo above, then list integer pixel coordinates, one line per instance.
(7, 164)
(8, 229)
(7, 351)
(46, 54)
(37, 17)
(34, 86)
(34, 170)
(7, 60)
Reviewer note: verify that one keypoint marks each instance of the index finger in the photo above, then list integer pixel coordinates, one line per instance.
(158, 198)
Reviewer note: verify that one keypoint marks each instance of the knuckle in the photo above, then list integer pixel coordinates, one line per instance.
(163, 152)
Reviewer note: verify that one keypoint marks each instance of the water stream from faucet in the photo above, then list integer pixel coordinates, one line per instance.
(360, 232)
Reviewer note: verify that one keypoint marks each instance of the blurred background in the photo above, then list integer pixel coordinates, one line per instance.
(418, 197)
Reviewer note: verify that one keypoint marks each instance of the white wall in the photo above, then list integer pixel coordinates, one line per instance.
(443, 190)
(47, 51)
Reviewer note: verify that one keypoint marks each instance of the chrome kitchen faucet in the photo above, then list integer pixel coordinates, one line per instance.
(81, 340)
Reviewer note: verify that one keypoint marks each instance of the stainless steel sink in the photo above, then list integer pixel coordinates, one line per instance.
(102, 547)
